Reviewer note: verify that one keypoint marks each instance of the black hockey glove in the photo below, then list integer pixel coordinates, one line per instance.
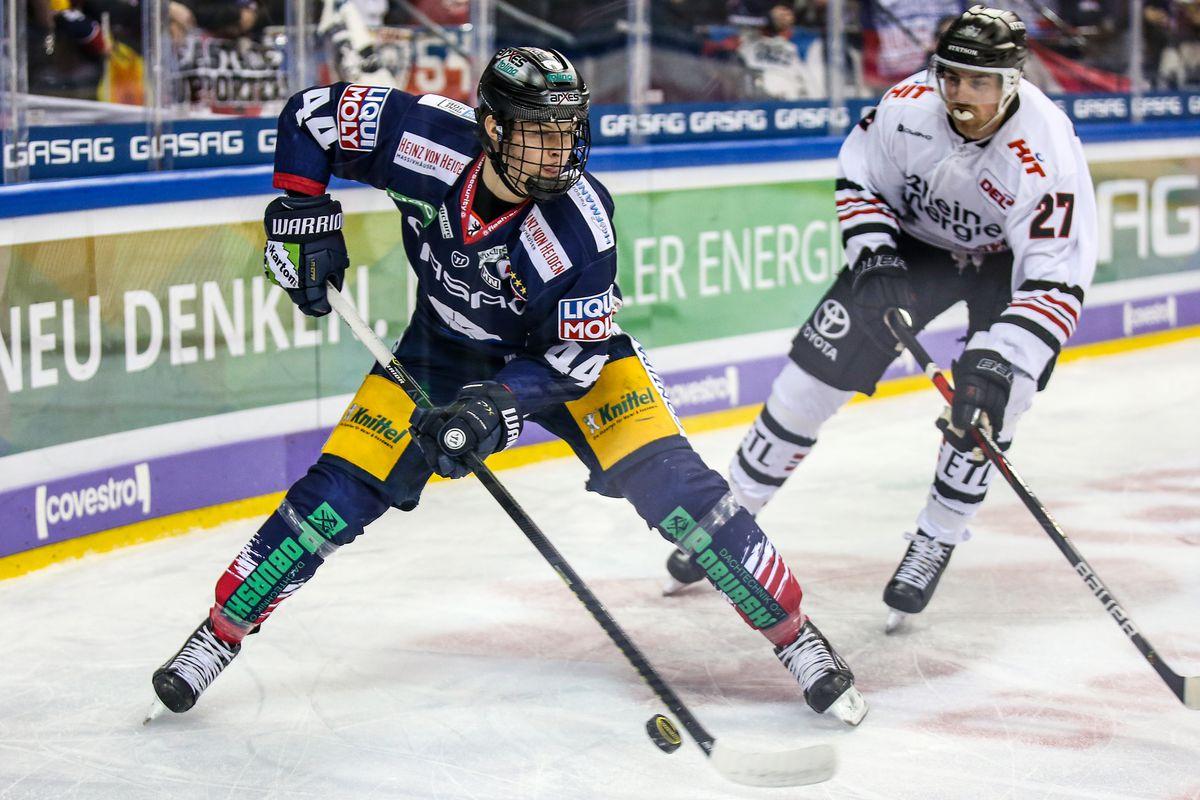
(982, 382)
(305, 248)
(483, 419)
(881, 282)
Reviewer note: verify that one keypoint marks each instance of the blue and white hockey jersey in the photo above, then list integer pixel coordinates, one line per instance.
(535, 286)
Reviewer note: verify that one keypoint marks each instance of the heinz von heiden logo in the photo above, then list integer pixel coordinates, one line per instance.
(113, 494)
(586, 319)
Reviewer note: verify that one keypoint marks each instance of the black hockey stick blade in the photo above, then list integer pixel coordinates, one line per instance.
(797, 767)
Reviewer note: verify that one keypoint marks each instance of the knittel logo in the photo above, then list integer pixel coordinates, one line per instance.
(112, 495)
(377, 426)
(635, 402)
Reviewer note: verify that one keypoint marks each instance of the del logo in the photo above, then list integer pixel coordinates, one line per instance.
(993, 191)
(633, 402)
(112, 495)
(358, 116)
(586, 319)
(376, 425)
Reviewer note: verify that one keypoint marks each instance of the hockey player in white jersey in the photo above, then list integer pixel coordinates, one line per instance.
(965, 183)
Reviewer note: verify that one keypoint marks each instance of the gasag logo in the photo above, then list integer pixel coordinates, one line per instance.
(358, 116)
(112, 495)
(586, 319)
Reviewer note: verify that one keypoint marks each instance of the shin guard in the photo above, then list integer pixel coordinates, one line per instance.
(692, 507)
(322, 511)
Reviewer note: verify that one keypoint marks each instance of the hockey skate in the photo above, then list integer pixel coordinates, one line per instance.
(827, 681)
(913, 583)
(683, 572)
(180, 682)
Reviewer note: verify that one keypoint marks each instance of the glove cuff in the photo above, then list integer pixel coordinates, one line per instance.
(988, 365)
(301, 220)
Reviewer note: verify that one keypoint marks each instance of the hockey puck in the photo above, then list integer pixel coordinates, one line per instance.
(663, 733)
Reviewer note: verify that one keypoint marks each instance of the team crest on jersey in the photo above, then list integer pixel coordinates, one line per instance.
(358, 113)
(494, 265)
(586, 319)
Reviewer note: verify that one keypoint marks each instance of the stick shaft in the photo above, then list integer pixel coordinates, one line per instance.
(904, 334)
(346, 310)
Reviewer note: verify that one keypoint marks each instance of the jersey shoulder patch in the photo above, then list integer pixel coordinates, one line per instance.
(590, 203)
(359, 112)
(449, 105)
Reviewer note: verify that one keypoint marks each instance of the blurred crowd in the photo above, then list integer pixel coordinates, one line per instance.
(228, 55)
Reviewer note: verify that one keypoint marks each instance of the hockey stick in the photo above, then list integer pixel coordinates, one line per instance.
(795, 767)
(1187, 689)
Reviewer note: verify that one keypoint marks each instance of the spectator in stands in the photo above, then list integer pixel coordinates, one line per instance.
(776, 66)
(225, 19)
(897, 35)
(1173, 43)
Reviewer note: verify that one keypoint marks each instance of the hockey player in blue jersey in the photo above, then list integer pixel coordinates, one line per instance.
(514, 248)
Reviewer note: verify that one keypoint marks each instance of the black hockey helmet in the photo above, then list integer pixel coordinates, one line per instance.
(984, 37)
(532, 85)
(988, 40)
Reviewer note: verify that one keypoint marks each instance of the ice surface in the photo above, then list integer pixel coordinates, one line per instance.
(439, 656)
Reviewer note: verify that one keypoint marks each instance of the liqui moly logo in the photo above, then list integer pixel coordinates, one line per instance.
(96, 500)
(586, 319)
(358, 116)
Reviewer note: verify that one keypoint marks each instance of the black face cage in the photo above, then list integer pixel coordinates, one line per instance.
(520, 165)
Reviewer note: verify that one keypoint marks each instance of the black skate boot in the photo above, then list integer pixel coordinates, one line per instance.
(912, 585)
(179, 682)
(684, 571)
(827, 681)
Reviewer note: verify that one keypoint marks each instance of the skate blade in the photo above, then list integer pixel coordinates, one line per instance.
(673, 587)
(895, 620)
(850, 708)
(155, 712)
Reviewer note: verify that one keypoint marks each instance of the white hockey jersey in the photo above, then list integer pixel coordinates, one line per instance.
(1026, 189)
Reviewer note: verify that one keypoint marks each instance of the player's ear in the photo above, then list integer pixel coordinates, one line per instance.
(489, 127)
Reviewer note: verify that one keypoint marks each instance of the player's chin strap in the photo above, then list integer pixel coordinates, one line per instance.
(1187, 689)
(795, 767)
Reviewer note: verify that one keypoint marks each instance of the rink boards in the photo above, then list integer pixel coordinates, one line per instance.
(154, 383)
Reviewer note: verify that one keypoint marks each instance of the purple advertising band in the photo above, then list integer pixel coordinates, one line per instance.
(68, 508)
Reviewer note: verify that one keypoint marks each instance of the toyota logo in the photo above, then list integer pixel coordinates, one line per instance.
(832, 320)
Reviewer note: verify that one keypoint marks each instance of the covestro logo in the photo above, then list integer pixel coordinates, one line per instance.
(112, 495)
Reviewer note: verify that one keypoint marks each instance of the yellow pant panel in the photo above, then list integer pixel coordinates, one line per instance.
(373, 433)
(623, 411)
